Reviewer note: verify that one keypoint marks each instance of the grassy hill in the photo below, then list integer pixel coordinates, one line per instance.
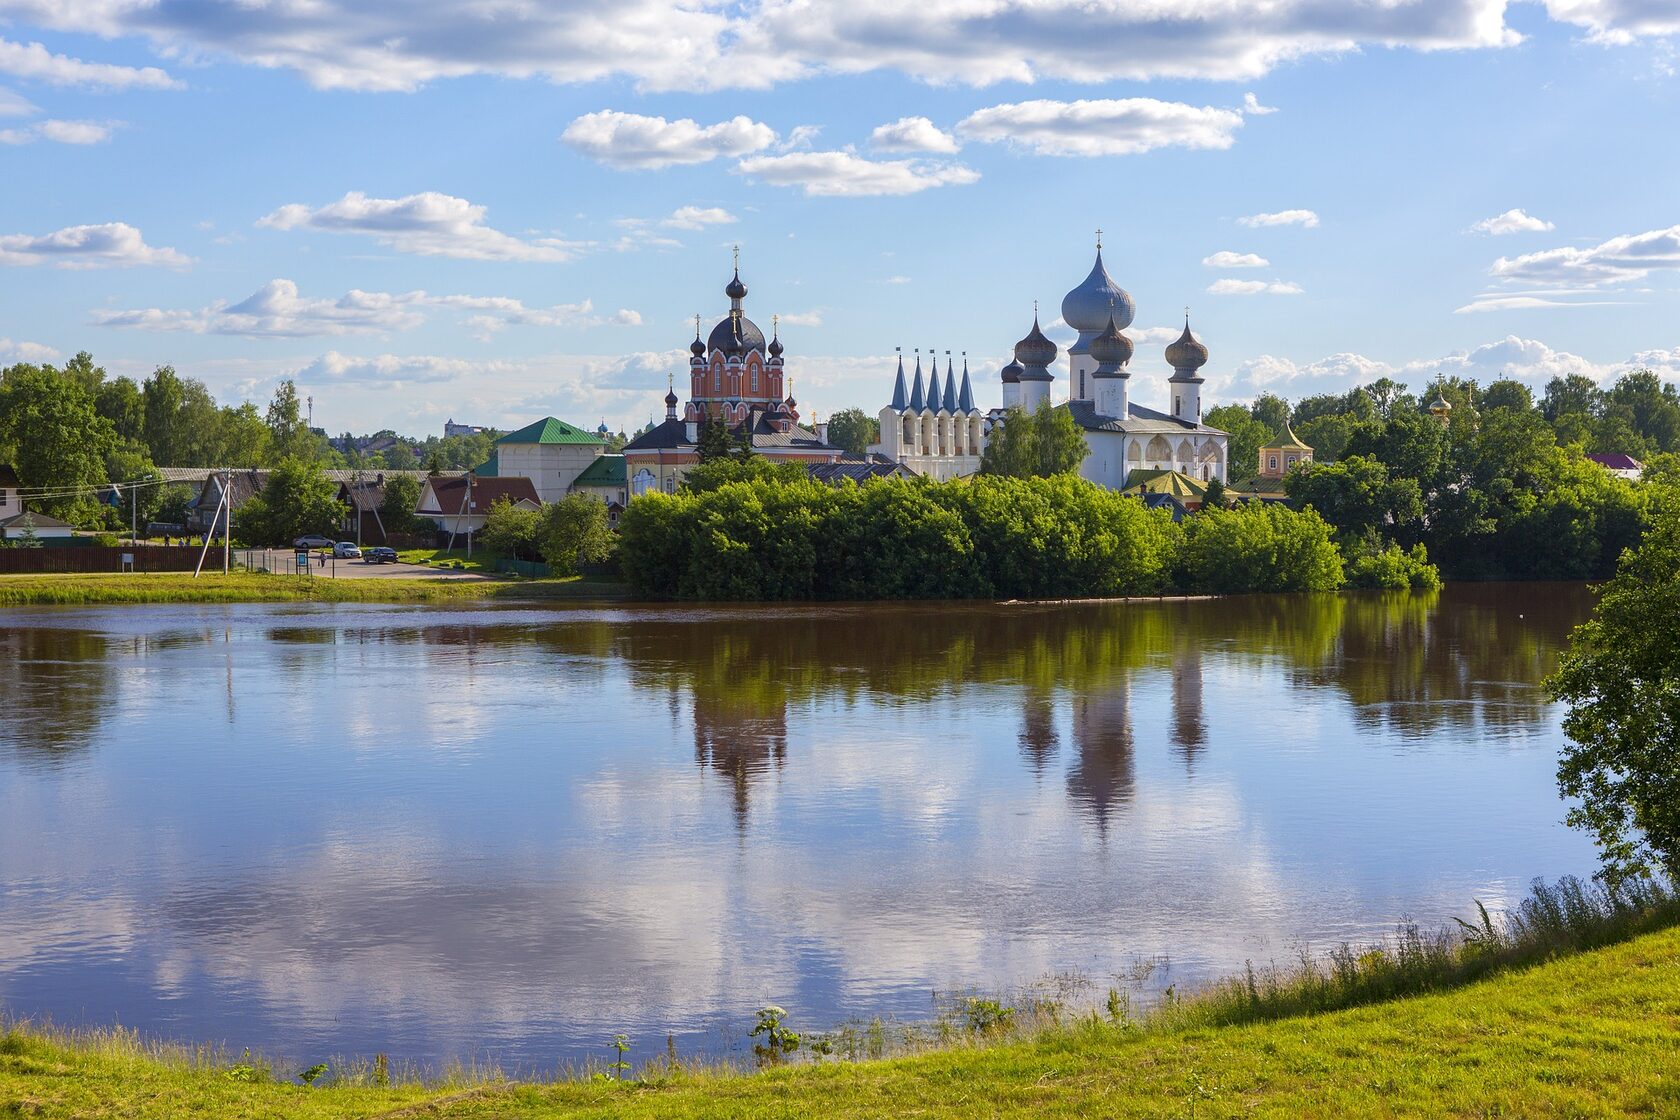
(1594, 1033)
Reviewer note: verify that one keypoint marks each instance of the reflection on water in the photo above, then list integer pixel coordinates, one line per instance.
(432, 832)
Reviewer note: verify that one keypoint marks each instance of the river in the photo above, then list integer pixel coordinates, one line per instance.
(508, 833)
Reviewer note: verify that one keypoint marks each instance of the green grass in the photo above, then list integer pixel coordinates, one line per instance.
(242, 587)
(480, 561)
(1550, 1026)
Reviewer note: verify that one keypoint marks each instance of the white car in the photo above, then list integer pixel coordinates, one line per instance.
(346, 550)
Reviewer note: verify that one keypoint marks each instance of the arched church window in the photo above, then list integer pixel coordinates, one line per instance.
(717, 380)
(642, 483)
(755, 380)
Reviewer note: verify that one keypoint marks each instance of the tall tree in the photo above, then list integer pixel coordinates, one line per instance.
(853, 429)
(120, 402)
(1046, 443)
(161, 399)
(289, 436)
(57, 440)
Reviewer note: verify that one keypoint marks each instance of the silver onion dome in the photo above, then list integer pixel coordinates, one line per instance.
(1187, 353)
(1111, 349)
(1035, 349)
(1012, 373)
(1087, 308)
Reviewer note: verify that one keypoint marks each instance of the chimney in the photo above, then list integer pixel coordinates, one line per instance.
(693, 431)
(822, 432)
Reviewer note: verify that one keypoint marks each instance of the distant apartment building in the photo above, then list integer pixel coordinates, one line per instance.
(450, 428)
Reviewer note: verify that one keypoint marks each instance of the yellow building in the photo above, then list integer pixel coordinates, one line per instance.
(1284, 455)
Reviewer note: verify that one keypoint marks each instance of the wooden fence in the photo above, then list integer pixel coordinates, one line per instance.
(95, 558)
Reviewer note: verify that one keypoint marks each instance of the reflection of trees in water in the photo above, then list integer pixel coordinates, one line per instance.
(57, 692)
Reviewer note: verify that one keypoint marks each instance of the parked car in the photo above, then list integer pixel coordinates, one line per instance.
(380, 555)
(346, 550)
(313, 540)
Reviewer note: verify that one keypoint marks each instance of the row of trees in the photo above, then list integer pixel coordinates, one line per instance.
(780, 538)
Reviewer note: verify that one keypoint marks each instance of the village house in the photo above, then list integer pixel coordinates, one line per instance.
(18, 523)
(459, 504)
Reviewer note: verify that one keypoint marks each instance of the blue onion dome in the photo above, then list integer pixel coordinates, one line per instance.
(1035, 349)
(1012, 373)
(735, 289)
(1087, 308)
(1187, 353)
(604, 430)
(1111, 348)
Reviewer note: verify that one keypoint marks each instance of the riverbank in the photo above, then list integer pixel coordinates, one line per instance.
(258, 587)
(1586, 1033)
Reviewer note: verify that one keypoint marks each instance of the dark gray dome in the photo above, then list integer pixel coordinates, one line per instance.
(1035, 349)
(1086, 309)
(735, 289)
(776, 347)
(732, 341)
(1187, 353)
(697, 348)
(1111, 348)
(1012, 373)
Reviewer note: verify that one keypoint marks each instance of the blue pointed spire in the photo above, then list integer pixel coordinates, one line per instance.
(965, 398)
(950, 385)
(916, 397)
(933, 394)
(899, 395)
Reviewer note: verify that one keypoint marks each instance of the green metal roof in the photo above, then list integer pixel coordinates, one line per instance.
(1289, 440)
(608, 470)
(490, 468)
(550, 430)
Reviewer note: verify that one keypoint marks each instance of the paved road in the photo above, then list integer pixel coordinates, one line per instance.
(280, 560)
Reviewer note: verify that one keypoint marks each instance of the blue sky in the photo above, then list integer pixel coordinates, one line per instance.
(496, 211)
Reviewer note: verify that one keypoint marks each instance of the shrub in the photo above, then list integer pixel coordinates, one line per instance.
(1394, 569)
(1259, 547)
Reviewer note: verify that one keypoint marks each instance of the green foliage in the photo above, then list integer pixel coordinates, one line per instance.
(854, 430)
(173, 504)
(1357, 497)
(142, 490)
(621, 1046)
(1044, 444)
(987, 1016)
(58, 441)
(1259, 547)
(298, 499)
(1246, 437)
(1393, 568)
(713, 441)
(313, 1074)
(896, 539)
(119, 401)
(1621, 680)
(511, 531)
(779, 1039)
(574, 531)
(289, 436)
(709, 474)
(396, 508)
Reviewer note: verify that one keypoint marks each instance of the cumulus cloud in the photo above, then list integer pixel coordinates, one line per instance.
(1304, 218)
(1512, 221)
(1126, 126)
(1625, 259)
(802, 319)
(912, 134)
(629, 140)
(1618, 21)
(842, 174)
(277, 310)
(666, 44)
(391, 370)
(697, 217)
(26, 352)
(110, 245)
(58, 132)
(34, 62)
(428, 224)
(1252, 106)
(1230, 287)
(1227, 259)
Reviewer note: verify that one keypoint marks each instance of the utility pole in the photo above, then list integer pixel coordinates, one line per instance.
(227, 526)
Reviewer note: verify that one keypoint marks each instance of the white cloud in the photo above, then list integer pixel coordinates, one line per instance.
(1252, 106)
(896, 280)
(428, 224)
(800, 138)
(391, 370)
(110, 245)
(34, 62)
(1625, 259)
(1227, 259)
(1525, 301)
(696, 217)
(14, 104)
(276, 310)
(59, 132)
(1305, 218)
(912, 134)
(629, 140)
(1512, 221)
(838, 174)
(33, 352)
(803, 319)
(1618, 21)
(1121, 127)
(1230, 287)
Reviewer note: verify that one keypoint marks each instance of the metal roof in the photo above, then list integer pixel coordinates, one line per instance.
(550, 430)
(607, 470)
(1142, 421)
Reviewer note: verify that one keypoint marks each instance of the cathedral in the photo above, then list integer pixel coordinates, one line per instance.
(737, 378)
(940, 432)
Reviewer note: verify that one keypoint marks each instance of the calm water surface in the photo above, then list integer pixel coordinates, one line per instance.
(454, 832)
